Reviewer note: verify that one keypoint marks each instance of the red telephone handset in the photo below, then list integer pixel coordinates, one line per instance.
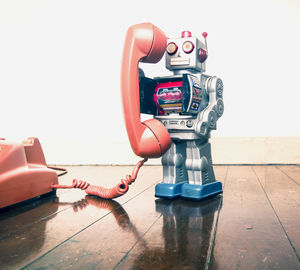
(147, 43)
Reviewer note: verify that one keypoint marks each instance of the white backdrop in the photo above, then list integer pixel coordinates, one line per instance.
(60, 70)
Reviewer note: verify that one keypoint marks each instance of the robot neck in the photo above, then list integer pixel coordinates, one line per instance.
(184, 71)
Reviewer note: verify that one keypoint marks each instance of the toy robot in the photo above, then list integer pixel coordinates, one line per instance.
(185, 107)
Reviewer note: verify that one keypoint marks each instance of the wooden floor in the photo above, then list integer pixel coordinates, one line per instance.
(255, 224)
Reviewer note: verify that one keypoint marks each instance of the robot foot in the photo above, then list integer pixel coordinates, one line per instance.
(199, 192)
(169, 191)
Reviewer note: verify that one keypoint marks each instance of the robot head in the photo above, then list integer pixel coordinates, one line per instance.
(186, 54)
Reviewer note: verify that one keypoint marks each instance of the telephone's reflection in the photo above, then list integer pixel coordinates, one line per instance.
(111, 206)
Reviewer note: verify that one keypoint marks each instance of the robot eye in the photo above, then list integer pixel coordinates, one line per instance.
(172, 48)
(188, 47)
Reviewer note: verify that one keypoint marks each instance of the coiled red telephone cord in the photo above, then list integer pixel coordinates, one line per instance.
(106, 193)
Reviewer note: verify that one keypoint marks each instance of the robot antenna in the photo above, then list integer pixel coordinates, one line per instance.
(204, 34)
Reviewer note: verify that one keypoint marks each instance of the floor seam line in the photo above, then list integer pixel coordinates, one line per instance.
(211, 246)
(133, 246)
(287, 175)
(285, 232)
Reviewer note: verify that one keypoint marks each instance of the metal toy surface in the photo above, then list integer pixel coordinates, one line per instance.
(188, 104)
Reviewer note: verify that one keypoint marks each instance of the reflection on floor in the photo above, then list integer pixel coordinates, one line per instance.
(254, 224)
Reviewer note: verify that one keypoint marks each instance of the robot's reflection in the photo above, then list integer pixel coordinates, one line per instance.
(187, 233)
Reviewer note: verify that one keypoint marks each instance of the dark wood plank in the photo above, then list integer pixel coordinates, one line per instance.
(103, 244)
(181, 239)
(32, 230)
(106, 242)
(284, 195)
(249, 235)
(38, 209)
(256, 229)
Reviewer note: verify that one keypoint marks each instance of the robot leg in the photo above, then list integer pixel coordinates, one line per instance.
(202, 182)
(174, 171)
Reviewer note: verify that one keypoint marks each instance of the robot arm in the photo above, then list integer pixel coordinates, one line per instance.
(147, 87)
(207, 119)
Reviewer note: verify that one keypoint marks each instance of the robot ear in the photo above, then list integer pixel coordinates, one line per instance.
(202, 55)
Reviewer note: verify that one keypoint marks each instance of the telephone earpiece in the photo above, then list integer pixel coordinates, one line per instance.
(144, 42)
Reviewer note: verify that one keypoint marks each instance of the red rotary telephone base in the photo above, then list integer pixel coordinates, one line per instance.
(23, 172)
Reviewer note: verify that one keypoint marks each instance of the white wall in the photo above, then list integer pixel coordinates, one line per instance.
(60, 68)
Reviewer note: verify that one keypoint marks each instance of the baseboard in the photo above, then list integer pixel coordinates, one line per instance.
(256, 150)
(225, 150)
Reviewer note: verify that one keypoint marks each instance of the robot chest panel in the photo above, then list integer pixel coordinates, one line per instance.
(174, 97)
(168, 97)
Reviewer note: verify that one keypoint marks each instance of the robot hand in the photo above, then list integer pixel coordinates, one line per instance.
(207, 119)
